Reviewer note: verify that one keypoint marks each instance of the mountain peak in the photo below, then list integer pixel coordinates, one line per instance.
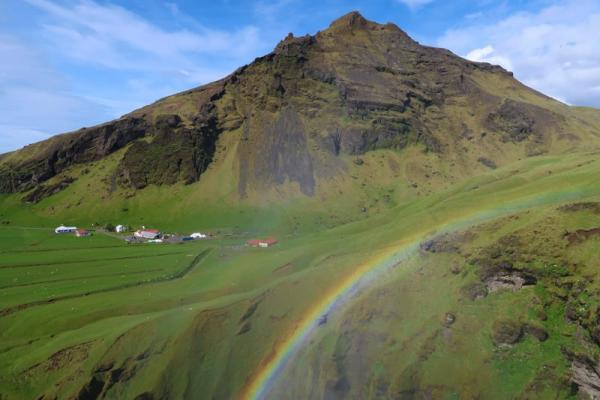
(302, 111)
(350, 21)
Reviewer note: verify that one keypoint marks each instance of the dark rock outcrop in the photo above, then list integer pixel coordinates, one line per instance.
(43, 191)
(585, 373)
(506, 332)
(537, 332)
(59, 153)
(176, 153)
(512, 120)
(277, 154)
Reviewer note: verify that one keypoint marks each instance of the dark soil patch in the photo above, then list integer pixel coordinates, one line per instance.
(92, 390)
(594, 207)
(581, 235)
(245, 328)
(64, 358)
(487, 162)
(447, 242)
(284, 269)
(250, 310)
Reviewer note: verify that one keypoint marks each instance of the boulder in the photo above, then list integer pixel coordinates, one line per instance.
(506, 332)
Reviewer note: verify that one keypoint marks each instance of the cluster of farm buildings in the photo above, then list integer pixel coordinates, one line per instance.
(141, 235)
(156, 236)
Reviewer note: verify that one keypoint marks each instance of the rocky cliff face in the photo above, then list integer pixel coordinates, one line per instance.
(352, 88)
(49, 158)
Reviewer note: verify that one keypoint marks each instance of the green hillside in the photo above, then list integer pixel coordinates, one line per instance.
(93, 315)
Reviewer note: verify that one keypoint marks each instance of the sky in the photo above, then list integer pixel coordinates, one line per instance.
(66, 64)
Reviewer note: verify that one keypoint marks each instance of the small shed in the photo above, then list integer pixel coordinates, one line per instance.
(82, 233)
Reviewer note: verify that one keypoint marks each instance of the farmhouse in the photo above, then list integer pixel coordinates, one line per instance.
(82, 233)
(65, 229)
(147, 234)
(268, 242)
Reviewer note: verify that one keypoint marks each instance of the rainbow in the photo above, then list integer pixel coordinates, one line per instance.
(284, 351)
(260, 383)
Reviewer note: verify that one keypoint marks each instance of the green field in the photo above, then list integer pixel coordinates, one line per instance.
(89, 317)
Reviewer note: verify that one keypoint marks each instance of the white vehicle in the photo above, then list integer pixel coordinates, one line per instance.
(198, 235)
(155, 241)
(120, 228)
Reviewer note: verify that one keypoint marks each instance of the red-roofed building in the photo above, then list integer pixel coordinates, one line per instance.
(147, 234)
(82, 232)
(268, 242)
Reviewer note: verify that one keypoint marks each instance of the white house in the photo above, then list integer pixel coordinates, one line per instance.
(147, 234)
(65, 229)
(197, 235)
(120, 228)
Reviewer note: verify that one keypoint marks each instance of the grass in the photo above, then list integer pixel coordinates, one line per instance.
(86, 307)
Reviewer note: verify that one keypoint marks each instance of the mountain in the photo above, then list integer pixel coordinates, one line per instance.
(298, 116)
(437, 227)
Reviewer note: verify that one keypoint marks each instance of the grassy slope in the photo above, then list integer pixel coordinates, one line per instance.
(187, 336)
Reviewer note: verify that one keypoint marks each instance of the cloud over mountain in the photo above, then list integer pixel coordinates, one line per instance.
(553, 50)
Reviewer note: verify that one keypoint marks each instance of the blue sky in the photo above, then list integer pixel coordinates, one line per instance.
(73, 63)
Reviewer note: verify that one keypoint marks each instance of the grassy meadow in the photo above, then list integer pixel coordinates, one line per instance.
(96, 317)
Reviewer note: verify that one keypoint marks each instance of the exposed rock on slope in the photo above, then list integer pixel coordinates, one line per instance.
(44, 160)
(294, 114)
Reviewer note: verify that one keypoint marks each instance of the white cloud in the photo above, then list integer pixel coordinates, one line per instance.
(488, 54)
(13, 137)
(271, 9)
(414, 4)
(33, 98)
(113, 61)
(114, 37)
(553, 50)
